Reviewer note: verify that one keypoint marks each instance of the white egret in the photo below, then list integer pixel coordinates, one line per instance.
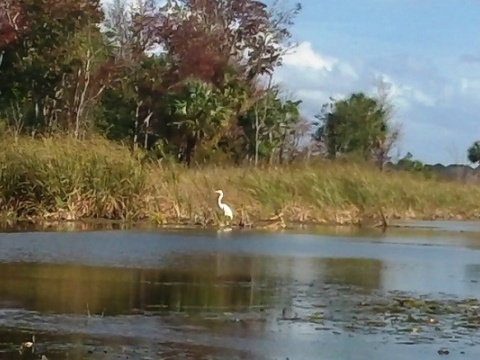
(28, 346)
(227, 211)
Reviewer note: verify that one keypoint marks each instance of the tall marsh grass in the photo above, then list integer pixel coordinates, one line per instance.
(325, 193)
(66, 179)
(69, 179)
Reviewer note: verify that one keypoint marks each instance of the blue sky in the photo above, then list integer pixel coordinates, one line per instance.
(427, 50)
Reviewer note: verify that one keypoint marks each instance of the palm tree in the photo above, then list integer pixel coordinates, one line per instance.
(202, 112)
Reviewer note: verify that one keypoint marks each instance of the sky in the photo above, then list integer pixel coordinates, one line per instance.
(428, 51)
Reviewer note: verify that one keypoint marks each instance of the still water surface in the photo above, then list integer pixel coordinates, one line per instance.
(156, 294)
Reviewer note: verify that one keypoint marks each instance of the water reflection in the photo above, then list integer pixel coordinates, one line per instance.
(114, 291)
(220, 282)
(206, 294)
(365, 273)
(215, 282)
(68, 226)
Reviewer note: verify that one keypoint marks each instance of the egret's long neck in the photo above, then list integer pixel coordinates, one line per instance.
(220, 197)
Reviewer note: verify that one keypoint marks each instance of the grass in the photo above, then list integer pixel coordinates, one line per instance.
(60, 178)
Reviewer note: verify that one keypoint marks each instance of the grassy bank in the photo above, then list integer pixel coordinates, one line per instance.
(65, 179)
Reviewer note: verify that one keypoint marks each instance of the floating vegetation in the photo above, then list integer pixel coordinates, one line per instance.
(410, 319)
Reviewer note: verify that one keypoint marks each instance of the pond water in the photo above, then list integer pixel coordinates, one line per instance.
(330, 293)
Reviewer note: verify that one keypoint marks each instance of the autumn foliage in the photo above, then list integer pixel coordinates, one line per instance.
(185, 80)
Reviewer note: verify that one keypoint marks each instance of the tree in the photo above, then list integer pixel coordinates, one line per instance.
(39, 37)
(288, 127)
(473, 152)
(184, 79)
(202, 111)
(130, 30)
(356, 125)
(269, 125)
(385, 143)
(79, 92)
(212, 51)
(206, 39)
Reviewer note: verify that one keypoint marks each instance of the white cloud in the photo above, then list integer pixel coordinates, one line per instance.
(427, 102)
(470, 86)
(304, 57)
(436, 106)
(134, 5)
(316, 77)
(406, 96)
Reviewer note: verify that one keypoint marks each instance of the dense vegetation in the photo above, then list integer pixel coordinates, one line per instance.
(66, 178)
(93, 99)
(188, 81)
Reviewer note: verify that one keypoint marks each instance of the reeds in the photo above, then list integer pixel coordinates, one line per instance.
(324, 193)
(62, 178)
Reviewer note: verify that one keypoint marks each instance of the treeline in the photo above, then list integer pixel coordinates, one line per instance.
(189, 81)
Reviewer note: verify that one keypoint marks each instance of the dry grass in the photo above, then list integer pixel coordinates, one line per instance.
(67, 179)
(60, 177)
(322, 193)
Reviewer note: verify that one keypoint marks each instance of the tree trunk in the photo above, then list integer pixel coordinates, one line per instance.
(146, 123)
(281, 150)
(190, 149)
(257, 135)
(136, 125)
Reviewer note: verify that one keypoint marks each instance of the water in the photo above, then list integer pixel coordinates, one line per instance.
(328, 294)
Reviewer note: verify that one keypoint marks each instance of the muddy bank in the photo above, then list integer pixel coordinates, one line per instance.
(275, 223)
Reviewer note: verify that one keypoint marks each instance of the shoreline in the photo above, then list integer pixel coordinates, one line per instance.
(51, 180)
(89, 224)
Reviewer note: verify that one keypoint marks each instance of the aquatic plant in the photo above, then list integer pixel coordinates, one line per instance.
(71, 179)
(64, 178)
